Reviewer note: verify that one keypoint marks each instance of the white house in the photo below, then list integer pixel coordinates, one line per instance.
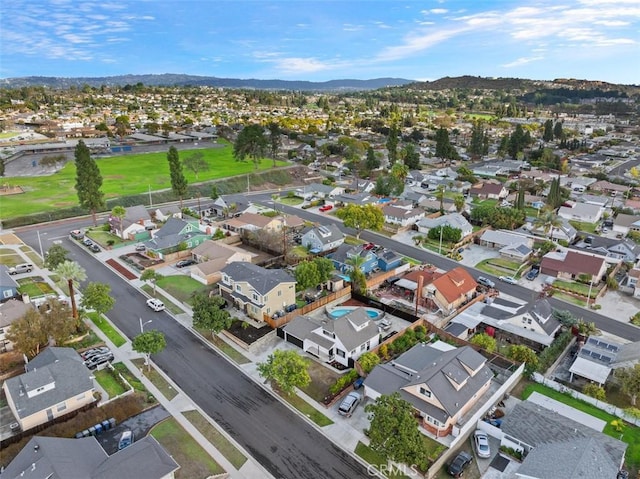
(322, 238)
(583, 212)
(455, 220)
(402, 216)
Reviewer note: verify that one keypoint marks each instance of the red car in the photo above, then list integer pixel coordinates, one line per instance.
(369, 246)
(326, 208)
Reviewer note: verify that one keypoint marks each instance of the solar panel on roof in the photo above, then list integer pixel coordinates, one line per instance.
(605, 359)
(593, 341)
(595, 355)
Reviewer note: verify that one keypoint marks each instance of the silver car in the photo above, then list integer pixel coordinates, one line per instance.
(349, 404)
(482, 444)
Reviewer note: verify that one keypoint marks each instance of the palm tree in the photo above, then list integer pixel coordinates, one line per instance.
(548, 220)
(440, 196)
(358, 280)
(119, 212)
(459, 202)
(400, 171)
(71, 271)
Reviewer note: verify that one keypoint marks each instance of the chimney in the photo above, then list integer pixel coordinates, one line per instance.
(36, 447)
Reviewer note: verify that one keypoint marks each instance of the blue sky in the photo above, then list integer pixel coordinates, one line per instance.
(323, 40)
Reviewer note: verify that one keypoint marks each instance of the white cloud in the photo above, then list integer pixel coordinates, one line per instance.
(522, 61)
(301, 65)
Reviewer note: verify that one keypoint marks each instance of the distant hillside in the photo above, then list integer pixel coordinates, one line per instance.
(171, 79)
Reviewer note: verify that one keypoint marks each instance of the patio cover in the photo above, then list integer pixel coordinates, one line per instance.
(590, 370)
(406, 284)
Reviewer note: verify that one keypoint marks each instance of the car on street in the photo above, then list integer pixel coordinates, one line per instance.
(459, 464)
(183, 263)
(95, 248)
(76, 234)
(126, 439)
(155, 304)
(87, 242)
(508, 279)
(349, 404)
(21, 268)
(486, 282)
(481, 441)
(325, 208)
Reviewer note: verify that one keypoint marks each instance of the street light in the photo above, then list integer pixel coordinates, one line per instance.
(142, 325)
(40, 243)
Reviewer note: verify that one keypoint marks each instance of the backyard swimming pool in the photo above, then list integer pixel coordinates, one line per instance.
(340, 311)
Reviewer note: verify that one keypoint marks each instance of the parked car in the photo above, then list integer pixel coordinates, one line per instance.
(508, 279)
(95, 248)
(349, 404)
(96, 361)
(21, 268)
(155, 304)
(326, 208)
(486, 282)
(89, 353)
(76, 234)
(87, 242)
(184, 263)
(141, 247)
(481, 441)
(369, 246)
(126, 439)
(459, 464)
(533, 274)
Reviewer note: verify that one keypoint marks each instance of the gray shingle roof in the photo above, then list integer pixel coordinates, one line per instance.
(261, 279)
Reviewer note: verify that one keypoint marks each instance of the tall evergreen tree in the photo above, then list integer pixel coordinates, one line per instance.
(548, 131)
(558, 133)
(392, 143)
(372, 162)
(444, 148)
(88, 181)
(251, 143)
(554, 198)
(274, 140)
(478, 139)
(520, 198)
(411, 157)
(179, 183)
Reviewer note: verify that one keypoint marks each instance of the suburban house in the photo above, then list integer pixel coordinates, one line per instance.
(389, 259)
(319, 190)
(452, 290)
(8, 285)
(608, 188)
(631, 283)
(226, 206)
(173, 234)
(257, 291)
(520, 322)
(10, 311)
(569, 264)
(212, 257)
(413, 279)
(322, 238)
(596, 200)
(614, 250)
(58, 457)
(624, 224)
(345, 252)
(56, 383)
(343, 339)
(582, 212)
(454, 220)
(356, 199)
(163, 213)
(489, 191)
(400, 216)
(498, 239)
(557, 443)
(562, 232)
(599, 355)
(254, 222)
(135, 225)
(440, 381)
(364, 186)
(433, 204)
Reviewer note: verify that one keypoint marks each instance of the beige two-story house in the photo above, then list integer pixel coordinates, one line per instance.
(257, 291)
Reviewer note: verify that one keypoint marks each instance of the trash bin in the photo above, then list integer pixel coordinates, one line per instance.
(79, 435)
(106, 425)
(112, 422)
(92, 431)
(98, 428)
(85, 433)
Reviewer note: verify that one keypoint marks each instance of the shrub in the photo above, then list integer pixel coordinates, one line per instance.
(549, 355)
(383, 352)
(595, 391)
(368, 361)
(343, 381)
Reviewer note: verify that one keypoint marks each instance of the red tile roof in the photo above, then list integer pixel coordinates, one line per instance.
(454, 284)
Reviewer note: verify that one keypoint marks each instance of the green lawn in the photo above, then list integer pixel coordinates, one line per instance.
(307, 409)
(582, 226)
(122, 175)
(103, 237)
(630, 434)
(182, 287)
(291, 201)
(131, 379)
(569, 298)
(376, 459)
(499, 266)
(194, 461)
(106, 327)
(156, 379)
(109, 383)
(579, 288)
(173, 309)
(10, 259)
(235, 355)
(34, 286)
(215, 437)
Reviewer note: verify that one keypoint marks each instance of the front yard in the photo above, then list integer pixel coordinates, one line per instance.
(500, 267)
(578, 288)
(182, 287)
(34, 286)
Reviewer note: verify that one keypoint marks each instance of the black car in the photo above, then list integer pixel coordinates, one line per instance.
(533, 274)
(95, 248)
(459, 464)
(184, 263)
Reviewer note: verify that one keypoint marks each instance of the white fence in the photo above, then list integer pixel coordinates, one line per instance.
(610, 408)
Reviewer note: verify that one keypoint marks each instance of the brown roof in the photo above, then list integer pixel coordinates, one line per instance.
(252, 219)
(427, 276)
(488, 188)
(574, 263)
(454, 284)
(294, 221)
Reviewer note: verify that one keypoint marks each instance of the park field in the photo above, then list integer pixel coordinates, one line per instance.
(122, 175)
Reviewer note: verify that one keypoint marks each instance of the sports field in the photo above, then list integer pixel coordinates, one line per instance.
(122, 175)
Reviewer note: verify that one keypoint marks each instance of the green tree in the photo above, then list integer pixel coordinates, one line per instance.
(97, 296)
(250, 143)
(523, 354)
(392, 143)
(485, 341)
(520, 204)
(459, 203)
(393, 430)
(548, 131)
(71, 272)
(444, 148)
(629, 380)
(28, 334)
(558, 133)
(2, 167)
(440, 197)
(179, 183)
(58, 322)
(368, 361)
(595, 391)
(554, 198)
(196, 163)
(287, 369)
(215, 194)
(325, 268)
(209, 313)
(372, 161)
(275, 140)
(119, 212)
(152, 275)
(478, 145)
(361, 217)
(56, 255)
(411, 156)
(548, 221)
(88, 181)
(358, 279)
(148, 343)
(307, 275)
(122, 125)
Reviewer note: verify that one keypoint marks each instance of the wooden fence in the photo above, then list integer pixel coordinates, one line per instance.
(278, 322)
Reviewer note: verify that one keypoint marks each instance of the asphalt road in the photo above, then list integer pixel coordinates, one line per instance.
(285, 445)
(612, 326)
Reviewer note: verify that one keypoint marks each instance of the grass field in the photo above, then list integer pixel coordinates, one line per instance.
(109, 383)
(156, 379)
(108, 330)
(194, 461)
(182, 287)
(122, 175)
(305, 408)
(34, 286)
